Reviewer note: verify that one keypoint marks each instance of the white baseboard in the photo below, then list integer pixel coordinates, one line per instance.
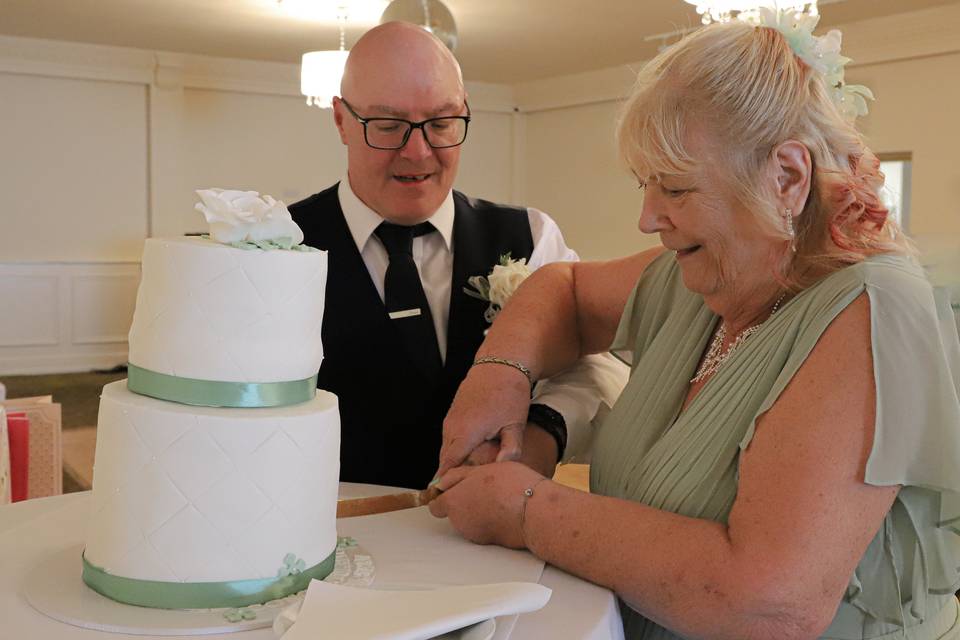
(56, 363)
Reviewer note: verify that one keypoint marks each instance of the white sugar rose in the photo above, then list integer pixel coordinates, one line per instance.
(505, 278)
(245, 216)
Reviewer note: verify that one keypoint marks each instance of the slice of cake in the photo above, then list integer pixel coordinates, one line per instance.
(217, 461)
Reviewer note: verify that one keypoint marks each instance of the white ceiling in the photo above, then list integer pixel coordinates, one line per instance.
(503, 41)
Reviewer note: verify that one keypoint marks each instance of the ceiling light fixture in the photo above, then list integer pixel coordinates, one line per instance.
(727, 10)
(362, 12)
(321, 71)
(432, 15)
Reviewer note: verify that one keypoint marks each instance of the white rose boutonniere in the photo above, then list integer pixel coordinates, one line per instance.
(245, 219)
(497, 287)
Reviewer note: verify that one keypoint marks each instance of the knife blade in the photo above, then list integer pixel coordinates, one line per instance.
(383, 504)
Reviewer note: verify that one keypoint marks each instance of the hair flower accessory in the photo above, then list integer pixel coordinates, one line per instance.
(821, 53)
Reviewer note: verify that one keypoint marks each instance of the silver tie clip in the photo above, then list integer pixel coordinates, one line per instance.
(406, 313)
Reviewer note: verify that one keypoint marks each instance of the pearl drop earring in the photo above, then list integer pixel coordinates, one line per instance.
(788, 220)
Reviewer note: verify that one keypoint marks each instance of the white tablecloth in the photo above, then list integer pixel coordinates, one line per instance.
(577, 609)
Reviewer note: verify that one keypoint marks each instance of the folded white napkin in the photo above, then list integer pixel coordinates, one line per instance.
(351, 613)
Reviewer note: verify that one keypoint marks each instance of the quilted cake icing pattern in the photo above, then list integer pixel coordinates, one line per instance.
(216, 313)
(235, 486)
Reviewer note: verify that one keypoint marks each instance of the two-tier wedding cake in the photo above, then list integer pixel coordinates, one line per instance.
(217, 461)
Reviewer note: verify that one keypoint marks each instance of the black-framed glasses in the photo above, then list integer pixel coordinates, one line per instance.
(392, 133)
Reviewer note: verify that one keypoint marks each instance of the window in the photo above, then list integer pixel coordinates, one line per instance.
(896, 168)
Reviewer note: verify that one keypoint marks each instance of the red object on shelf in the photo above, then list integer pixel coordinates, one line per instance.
(18, 431)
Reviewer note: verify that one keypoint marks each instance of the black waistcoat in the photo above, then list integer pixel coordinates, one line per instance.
(391, 415)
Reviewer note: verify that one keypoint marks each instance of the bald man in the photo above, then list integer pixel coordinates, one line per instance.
(399, 333)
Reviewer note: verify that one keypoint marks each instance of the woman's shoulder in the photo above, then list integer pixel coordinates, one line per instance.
(895, 283)
(887, 270)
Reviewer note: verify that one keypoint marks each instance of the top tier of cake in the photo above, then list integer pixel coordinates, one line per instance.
(214, 312)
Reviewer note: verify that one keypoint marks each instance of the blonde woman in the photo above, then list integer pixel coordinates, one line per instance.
(785, 461)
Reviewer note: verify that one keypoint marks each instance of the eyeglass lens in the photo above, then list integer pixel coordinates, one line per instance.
(439, 132)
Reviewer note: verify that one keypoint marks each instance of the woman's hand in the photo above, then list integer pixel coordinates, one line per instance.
(485, 503)
(560, 313)
(487, 418)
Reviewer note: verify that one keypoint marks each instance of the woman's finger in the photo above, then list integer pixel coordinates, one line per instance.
(453, 477)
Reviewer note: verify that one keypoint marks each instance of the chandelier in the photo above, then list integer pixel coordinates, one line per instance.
(321, 71)
(431, 15)
(726, 10)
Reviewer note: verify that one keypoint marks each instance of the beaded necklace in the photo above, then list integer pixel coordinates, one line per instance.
(715, 358)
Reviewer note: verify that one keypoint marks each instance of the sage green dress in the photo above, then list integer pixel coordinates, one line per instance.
(687, 463)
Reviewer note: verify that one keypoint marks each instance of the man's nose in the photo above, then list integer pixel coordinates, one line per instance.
(417, 147)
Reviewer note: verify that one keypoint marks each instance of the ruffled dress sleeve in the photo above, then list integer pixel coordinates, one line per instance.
(912, 566)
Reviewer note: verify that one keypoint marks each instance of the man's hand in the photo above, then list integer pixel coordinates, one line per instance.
(487, 418)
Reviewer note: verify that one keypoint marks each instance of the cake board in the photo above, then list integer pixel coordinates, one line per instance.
(55, 589)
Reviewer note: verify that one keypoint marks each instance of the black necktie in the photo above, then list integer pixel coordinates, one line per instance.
(404, 298)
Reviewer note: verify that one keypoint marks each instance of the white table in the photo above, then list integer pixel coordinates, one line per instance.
(577, 609)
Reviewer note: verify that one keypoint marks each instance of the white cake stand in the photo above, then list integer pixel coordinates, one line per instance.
(55, 589)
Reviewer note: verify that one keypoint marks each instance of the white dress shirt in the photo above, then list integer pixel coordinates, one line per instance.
(580, 393)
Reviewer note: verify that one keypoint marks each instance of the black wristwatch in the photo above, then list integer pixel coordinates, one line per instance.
(552, 422)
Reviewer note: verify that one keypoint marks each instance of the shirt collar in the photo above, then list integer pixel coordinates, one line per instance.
(363, 221)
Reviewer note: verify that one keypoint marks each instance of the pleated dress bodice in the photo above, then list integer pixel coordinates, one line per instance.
(652, 450)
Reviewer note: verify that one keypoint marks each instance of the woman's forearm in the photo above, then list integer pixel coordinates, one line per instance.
(563, 311)
(683, 573)
(539, 325)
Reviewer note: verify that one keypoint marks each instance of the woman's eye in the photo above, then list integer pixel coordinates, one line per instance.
(674, 193)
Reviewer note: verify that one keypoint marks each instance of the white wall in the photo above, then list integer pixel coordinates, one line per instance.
(103, 146)
(916, 111)
(62, 137)
(911, 61)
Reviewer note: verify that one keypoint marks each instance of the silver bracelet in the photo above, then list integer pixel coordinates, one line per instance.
(510, 363)
(527, 494)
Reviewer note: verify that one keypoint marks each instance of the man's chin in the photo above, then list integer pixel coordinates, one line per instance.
(409, 215)
(407, 210)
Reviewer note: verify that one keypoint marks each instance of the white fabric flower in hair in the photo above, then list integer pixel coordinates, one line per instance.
(821, 54)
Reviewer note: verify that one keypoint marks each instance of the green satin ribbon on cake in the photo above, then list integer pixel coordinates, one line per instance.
(212, 393)
(201, 595)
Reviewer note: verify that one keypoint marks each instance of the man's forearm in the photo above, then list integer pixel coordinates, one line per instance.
(539, 450)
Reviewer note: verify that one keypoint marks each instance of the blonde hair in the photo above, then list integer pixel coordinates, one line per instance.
(749, 92)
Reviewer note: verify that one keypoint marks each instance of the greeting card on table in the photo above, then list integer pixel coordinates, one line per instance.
(18, 432)
(45, 457)
(4, 459)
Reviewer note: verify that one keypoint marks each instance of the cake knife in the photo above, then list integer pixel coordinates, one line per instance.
(383, 504)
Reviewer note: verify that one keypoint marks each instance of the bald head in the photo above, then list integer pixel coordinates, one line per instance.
(399, 71)
(402, 58)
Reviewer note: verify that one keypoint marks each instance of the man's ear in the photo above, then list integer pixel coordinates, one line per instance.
(793, 169)
(338, 118)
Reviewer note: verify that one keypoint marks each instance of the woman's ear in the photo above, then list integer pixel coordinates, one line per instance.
(794, 171)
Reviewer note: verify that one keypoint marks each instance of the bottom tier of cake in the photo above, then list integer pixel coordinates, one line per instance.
(198, 507)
